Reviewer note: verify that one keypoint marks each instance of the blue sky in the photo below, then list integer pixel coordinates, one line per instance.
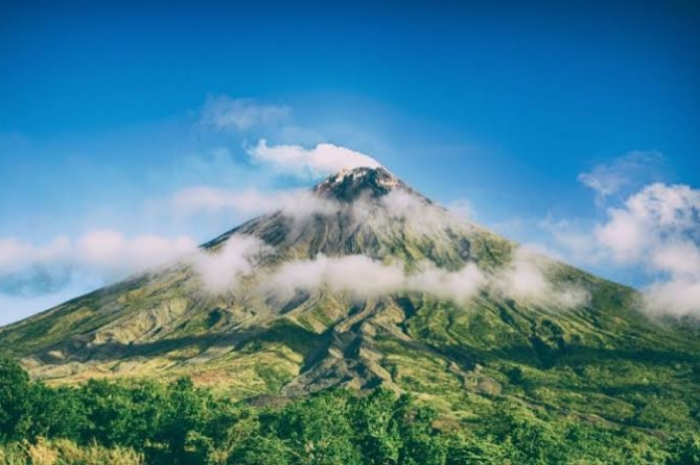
(516, 110)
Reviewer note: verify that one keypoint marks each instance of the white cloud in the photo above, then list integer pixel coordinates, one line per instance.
(207, 199)
(525, 278)
(103, 252)
(680, 258)
(295, 203)
(656, 230)
(298, 204)
(16, 254)
(225, 113)
(679, 297)
(456, 285)
(623, 172)
(361, 276)
(220, 270)
(323, 159)
(422, 217)
(111, 250)
(624, 236)
(358, 274)
(575, 237)
(655, 218)
(35, 277)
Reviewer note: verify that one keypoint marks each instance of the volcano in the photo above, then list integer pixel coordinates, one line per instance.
(364, 282)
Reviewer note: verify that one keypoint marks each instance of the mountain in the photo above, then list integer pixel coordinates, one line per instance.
(365, 282)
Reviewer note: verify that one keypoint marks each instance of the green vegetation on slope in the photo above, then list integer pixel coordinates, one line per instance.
(178, 423)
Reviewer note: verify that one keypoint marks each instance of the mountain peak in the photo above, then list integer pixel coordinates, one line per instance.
(394, 293)
(350, 184)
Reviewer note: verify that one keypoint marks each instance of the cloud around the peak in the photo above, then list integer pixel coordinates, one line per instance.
(322, 159)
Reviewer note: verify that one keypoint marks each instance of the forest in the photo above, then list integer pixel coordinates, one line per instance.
(147, 422)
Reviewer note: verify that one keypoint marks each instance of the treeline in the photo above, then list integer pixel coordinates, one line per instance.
(179, 423)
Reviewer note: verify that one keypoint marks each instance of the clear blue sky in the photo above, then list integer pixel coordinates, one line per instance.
(502, 104)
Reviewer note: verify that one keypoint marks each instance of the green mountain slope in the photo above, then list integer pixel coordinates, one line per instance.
(600, 359)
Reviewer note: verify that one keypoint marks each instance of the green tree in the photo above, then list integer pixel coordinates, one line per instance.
(528, 439)
(319, 429)
(55, 413)
(264, 450)
(378, 428)
(15, 417)
(463, 449)
(113, 417)
(422, 444)
(685, 450)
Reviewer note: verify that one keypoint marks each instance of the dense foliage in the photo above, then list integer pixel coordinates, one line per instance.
(179, 423)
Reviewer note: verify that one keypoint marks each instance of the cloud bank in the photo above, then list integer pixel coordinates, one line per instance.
(658, 228)
(363, 277)
(524, 278)
(36, 277)
(655, 229)
(106, 251)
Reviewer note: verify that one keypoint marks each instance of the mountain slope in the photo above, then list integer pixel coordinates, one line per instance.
(364, 283)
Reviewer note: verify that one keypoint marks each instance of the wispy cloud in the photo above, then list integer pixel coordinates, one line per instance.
(105, 252)
(526, 278)
(461, 208)
(220, 271)
(16, 254)
(634, 168)
(364, 277)
(296, 203)
(242, 114)
(575, 237)
(34, 277)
